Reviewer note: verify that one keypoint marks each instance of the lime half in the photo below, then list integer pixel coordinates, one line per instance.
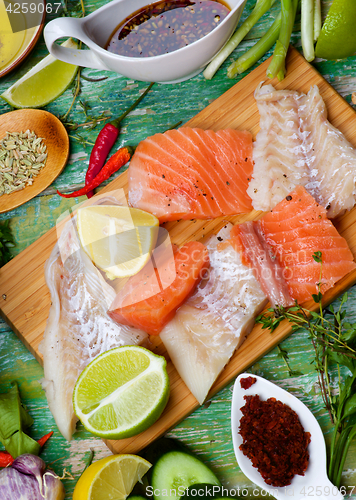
(111, 478)
(337, 38)
(119, 240)
(122, 392)
(43, 83)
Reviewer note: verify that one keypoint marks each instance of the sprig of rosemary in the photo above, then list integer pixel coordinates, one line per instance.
(334, 342)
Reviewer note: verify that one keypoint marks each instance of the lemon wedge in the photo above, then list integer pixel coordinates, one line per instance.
(119, 240)
(111, 477)
(43, 83)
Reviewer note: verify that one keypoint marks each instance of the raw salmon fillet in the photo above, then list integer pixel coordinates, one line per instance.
(192, 173)
(294, 231)
(297, 228)
(144, 301)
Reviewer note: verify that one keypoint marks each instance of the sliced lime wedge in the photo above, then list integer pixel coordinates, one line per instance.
(122, 392)
(43, 83)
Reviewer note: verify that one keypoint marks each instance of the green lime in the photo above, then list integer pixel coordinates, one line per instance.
(337, 38)
(122, 392)
(43, 83)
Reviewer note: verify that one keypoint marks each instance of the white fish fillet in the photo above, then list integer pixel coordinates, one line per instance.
(215, 320)
(78, 327)
(278, 155)
(297, 145)
(332, 180)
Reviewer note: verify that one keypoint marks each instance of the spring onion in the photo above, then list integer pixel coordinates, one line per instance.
(307, 29)
(255, 53)
(317, 19)
(276, 67)
(261, 7)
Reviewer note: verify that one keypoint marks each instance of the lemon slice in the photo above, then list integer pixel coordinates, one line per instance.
(119, 240)
(337, 38)
(111, 478)
(122, 392)
(43, 83)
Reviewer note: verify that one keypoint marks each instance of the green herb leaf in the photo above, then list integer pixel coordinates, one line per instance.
(350, 406)
(349, 336)
(317, 297)
(13, 419)
(6, 242)
(341, 359)
(317, 256)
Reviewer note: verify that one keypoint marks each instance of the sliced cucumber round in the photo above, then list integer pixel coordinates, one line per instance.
(175, 471)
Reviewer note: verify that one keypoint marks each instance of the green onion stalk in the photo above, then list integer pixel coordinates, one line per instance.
(307, 29)
(317, 19)
(255, 53)
(261, 7)
(310, 26)
(277, 65)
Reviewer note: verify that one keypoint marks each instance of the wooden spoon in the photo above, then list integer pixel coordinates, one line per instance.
(55, 136)
(315, 482)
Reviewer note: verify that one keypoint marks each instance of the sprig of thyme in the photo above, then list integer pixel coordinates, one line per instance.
(282, 353)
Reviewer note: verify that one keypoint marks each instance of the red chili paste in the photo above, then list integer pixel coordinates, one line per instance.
(247, 382)
(274, 440)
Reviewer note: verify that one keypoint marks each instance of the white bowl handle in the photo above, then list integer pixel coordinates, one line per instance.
(72, 27)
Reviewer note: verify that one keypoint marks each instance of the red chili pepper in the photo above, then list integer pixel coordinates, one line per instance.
(44, 439)
(115, 162)
(104, 142)
(5, 459)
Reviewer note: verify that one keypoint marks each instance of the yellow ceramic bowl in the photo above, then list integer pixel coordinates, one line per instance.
(14, 47)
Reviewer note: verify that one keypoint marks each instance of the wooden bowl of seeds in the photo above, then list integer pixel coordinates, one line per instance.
(34, 149)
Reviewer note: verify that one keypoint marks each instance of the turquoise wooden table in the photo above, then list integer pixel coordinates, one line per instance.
(207, 430)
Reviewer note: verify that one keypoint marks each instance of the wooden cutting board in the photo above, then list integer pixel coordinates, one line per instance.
(25, 300)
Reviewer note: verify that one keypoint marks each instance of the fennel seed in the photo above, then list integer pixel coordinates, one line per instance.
(22, 157)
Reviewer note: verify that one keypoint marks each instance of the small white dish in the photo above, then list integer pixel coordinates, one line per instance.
(315, 482)
(95, 29)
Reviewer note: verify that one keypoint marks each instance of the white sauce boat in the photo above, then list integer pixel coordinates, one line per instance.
(95, 29)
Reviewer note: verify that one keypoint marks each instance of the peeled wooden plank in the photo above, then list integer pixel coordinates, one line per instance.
(27, 300)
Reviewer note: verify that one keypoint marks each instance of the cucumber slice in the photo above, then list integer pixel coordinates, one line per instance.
(175, 471)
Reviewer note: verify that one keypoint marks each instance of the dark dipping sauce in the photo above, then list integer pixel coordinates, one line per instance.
(274, 440)
(164, 27)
